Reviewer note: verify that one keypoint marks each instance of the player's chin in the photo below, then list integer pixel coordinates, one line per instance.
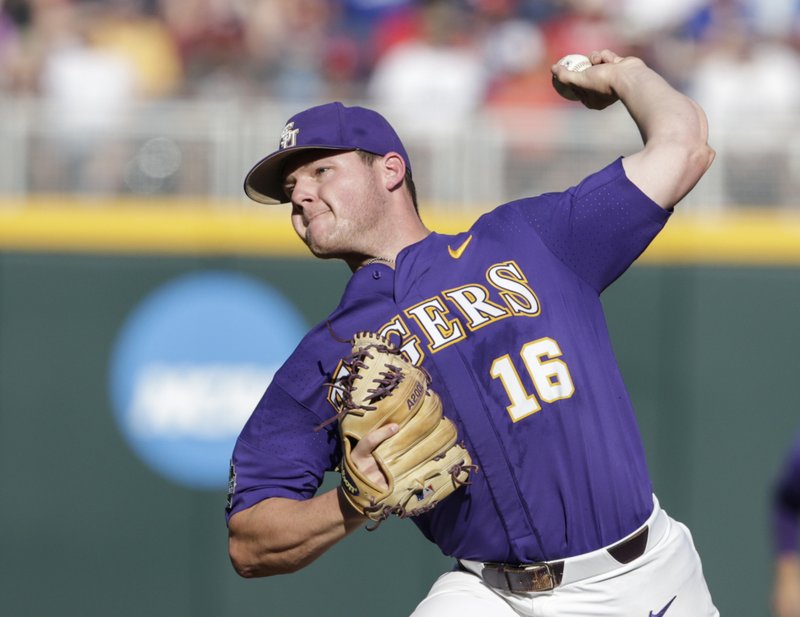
(321, 254)
(319, 247)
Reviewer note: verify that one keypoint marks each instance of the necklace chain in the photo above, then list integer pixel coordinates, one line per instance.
(379, 260)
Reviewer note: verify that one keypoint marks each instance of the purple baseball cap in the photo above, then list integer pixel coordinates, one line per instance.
(326, 127)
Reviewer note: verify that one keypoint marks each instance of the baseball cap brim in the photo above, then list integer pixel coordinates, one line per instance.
(264, 182)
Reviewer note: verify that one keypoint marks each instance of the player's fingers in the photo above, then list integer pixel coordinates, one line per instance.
(604, 56)
(362, 454)
(372, 440)
(563, 74)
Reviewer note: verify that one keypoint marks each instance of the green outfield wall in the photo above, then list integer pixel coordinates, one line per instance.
(705, 327)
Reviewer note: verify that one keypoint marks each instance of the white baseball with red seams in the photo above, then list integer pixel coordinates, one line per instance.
(573, 62)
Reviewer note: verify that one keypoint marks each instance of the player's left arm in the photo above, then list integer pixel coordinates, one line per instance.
(280, 535)
(673, 127)
(786, 586)
(786, 524)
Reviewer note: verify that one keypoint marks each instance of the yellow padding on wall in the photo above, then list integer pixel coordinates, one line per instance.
(736, 238)
(751, 237)
(149, 227)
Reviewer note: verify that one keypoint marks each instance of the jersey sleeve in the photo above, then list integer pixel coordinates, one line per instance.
(786, 504)
(279, 453)
(597, 228)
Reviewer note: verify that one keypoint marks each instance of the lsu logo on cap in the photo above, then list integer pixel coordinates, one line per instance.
(289, 136)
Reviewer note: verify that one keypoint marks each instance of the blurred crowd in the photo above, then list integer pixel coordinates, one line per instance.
(455, 54)
(428, 63)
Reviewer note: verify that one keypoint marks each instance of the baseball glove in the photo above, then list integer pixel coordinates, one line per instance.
(422, 462)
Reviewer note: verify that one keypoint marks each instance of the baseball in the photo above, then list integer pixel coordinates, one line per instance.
(573, 62)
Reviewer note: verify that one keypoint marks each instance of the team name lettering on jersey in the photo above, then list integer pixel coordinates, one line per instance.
(451, 315)
(335, 391)
(411, 344)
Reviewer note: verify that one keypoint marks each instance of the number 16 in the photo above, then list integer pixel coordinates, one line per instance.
(550, 377)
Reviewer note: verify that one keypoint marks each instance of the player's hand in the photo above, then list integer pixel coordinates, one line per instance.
(362, 458)
(595, 87)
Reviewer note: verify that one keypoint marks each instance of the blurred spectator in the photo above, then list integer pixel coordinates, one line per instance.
(786, 533)
(15, 16)
(436, 80)
(742, 82)
(537, 11)
(363, 16)
(298, 50)
(87, 91)
(311, 50)
(776, 18)
(378, 25)
(642, 20)
(518, 60)
(509, 44)
(586, 26)
(129, 29)
(40, 27)
(517, 53)
(394, 28)
(412, 58)
(208, 35)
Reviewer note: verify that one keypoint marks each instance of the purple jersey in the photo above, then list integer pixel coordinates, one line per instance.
(507, 319)
(786, 505)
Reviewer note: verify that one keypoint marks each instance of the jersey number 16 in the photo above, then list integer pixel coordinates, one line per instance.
(549, 374)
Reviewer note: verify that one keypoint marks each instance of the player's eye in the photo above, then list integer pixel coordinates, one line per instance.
(321, 170)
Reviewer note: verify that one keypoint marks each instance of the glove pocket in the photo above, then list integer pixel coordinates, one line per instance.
(430, 446)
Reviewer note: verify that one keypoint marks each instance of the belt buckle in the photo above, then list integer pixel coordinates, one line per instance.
(540, 576)
(529, 578)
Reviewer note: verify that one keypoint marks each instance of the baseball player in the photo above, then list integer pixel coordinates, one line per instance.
(559, 516)
(786, 531)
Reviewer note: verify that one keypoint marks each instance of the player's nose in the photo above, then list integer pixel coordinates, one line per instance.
(303, 192)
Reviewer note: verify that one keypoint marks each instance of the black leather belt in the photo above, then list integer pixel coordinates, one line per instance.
(546, 576)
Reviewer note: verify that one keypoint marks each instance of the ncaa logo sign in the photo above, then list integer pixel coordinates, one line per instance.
(189, 365)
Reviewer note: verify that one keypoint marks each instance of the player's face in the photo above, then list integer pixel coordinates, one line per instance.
(336, 201)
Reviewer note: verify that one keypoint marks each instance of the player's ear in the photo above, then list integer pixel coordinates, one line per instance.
(394, 170)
